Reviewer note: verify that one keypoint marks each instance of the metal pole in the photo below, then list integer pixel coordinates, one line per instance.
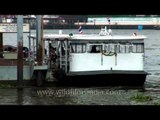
(39, 39)
(20, 51)
(50, 55)
(29, 52)
(66, 56)
(1, 45)
(42, 38)
(34, 51)
(60, 48)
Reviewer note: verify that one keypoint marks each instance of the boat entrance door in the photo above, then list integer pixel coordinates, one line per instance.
(95, 48)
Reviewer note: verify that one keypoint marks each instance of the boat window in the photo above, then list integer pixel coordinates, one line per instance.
(138, 48)
(95, 48)
(117, 48)
(109, 48)
(106, 48)
(131, 48)
(122, 48)
(77, 47)
(112, 48)
(134, 48)
(72, 48)
(83, 48)
(127, 49)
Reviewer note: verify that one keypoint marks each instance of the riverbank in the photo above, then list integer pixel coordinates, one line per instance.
(78, 96)
(96, 26)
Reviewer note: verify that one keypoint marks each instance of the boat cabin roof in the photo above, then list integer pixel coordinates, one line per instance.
(91, 37)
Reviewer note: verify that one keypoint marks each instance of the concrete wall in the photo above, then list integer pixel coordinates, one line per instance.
(10, 73)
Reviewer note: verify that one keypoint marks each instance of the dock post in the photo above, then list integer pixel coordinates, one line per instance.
(66, 56)
(39, 50)
(60, 55)
(1, 45)
(42, 38)
(20, 51)
(29, 44)
(34, 51)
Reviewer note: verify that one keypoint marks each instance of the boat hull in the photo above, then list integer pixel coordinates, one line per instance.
(107, 78)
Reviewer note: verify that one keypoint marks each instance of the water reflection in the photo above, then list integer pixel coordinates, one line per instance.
(20, 93)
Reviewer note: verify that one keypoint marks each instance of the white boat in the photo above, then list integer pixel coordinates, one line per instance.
(99, 58)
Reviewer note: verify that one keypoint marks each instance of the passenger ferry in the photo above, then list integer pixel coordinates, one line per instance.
(99, 58)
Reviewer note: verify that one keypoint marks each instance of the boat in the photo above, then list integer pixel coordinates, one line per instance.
(94, 58)
(156, 27)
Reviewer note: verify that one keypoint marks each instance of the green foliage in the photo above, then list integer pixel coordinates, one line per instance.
(141, 98)
(157, 103)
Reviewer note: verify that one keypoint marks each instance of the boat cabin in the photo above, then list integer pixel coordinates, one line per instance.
(92, 54)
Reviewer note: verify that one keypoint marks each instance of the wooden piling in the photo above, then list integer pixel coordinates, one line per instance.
(20, 51)
(39, 50)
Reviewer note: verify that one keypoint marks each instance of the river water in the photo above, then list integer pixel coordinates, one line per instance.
(93, 95)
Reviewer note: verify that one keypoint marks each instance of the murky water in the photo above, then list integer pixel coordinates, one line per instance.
(92, 95)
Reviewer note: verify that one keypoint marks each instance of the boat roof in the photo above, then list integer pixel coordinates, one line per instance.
(91, 37)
